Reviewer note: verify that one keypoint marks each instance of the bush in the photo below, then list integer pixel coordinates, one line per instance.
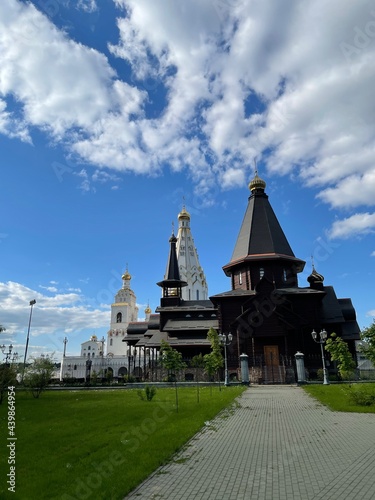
(361, 396)
(39, 374)
(129, 379)
(148, 393)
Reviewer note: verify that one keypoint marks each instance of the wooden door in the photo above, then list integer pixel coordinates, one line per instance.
(271, 355)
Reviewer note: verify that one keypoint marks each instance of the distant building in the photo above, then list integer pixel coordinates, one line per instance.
(118, 359)
(125, 351)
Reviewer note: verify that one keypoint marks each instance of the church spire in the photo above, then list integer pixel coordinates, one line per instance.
(172, 282)
(262, 247)
(188, 261)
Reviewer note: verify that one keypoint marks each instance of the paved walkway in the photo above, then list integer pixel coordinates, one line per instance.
(280, 444)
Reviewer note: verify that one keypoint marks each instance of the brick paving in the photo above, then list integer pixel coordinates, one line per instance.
(279, 444)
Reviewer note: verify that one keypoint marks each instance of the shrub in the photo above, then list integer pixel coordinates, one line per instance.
(361, 396)
(39, 374)
(148, 393)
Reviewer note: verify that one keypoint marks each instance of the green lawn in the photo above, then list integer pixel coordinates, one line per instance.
(336, 397)
(99, 444)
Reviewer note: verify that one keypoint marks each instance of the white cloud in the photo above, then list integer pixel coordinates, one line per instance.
(290, 82)
(373, 254)
(51, 289)
(355, 225)
(48, 74)
(87, 5)
(232, 177)
(61, 312)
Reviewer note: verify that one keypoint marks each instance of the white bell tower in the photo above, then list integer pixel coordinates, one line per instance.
(123, 311)
(188, 262)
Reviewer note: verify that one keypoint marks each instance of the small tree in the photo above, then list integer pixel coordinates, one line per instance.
(197, 362)
(39, 374)
(339, 352)
(8, 377)
(172, 361)
(367, 346)
(214, 360)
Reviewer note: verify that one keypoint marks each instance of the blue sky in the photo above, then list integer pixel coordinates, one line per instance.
(114, 113)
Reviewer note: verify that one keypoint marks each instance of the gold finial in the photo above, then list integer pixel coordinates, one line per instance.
(126, 276)
(257, 183)
(184, 214)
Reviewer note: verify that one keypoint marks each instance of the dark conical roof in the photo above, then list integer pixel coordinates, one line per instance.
(261, 235)
(172, 273)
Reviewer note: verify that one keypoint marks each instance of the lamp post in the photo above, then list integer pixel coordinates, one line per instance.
(32, 303)
(8, 355)
(322, 339)
(226, 339)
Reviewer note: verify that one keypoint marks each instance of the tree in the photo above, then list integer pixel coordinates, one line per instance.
(8, 377)
(172, 361)
(367, 346)
(197, 362)
(339, 352)
(39, 374)
(214, 360)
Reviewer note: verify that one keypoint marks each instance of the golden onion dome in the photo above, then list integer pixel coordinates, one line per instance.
(257, 183)
(184, 214)
(315, 277)
(148, 310)
(126, 276)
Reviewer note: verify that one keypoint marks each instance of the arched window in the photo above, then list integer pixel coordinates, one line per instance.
(197, 294)
(110, 341)
(119, 318)
(261, 272)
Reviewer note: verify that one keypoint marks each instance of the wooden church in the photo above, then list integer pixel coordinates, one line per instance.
(268, 314)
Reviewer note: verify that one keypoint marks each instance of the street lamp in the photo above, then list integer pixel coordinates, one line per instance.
(32, 303)
(322, 339)
(226, 339)
(8, 355)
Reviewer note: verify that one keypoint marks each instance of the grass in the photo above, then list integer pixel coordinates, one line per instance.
(99, 444)
(336, 396)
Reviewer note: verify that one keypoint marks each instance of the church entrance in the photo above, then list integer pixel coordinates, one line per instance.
(273, 372)
(271, 355)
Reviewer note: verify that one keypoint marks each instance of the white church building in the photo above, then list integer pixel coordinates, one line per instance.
(114, 358)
